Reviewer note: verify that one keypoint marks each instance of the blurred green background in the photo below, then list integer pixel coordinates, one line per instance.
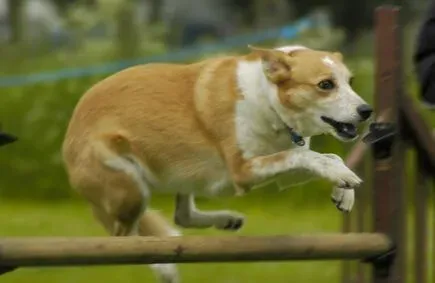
(35, 197)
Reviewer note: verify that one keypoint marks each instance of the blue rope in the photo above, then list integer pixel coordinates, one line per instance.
(285, 32)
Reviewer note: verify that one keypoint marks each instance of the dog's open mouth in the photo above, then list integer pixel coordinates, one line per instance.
(343, 130)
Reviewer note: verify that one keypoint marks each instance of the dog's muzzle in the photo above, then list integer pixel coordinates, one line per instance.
(344, 130)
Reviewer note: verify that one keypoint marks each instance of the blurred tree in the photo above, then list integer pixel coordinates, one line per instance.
(126, 29)
(353, 16)
(246, 9)
(156, 10)
(15, 20)
(271, 13)
(63, 5)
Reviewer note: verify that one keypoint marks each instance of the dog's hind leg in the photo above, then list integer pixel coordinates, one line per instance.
(119, 193)
(123, 215)
(153, 224)
(188, 216)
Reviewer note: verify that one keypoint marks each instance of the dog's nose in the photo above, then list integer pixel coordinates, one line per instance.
(364, 111)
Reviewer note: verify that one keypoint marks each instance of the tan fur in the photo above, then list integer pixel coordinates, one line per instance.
(150, 112)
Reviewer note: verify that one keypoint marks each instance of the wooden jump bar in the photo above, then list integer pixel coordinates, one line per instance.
(28, 252)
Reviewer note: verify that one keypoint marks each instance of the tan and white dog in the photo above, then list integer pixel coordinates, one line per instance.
(219, 126)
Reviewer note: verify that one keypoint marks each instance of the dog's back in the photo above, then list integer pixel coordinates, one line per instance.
(150, 114)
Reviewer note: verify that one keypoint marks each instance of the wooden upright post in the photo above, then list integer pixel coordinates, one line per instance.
(389, 156)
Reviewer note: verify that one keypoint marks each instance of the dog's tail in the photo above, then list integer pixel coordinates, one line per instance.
(152, 223)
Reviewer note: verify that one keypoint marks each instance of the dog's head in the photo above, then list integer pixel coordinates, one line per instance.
(311, 91)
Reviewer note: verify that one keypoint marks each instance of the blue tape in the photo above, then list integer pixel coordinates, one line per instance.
(285, 32)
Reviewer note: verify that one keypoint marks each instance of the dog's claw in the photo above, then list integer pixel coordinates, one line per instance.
(334, 201)
(234, 224)
(238, 224)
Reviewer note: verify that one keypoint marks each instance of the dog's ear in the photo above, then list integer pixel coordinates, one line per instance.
(276, 64)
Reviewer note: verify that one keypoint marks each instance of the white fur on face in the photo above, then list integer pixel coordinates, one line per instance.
(341, 105)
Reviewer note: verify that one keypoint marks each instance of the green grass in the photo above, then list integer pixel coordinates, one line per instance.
(263, 218)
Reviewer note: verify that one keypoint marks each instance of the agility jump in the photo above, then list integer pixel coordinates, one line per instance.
(384, 248)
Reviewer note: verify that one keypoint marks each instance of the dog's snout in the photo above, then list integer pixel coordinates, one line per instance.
(365, 111)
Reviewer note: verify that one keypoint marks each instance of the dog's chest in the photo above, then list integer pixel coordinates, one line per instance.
(259, 130)
(256, 137)
(255, 144)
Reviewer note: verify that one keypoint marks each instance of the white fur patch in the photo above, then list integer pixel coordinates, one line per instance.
(344, 198)
(328, 61)
(259, 129)
(133, 169)
(166, 273)
(328, 166)
(291, 48)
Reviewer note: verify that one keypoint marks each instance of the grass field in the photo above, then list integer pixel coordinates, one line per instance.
(263, 218)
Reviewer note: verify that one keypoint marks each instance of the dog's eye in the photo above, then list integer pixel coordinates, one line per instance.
(326, 85)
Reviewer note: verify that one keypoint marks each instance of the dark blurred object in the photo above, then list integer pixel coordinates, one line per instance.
(6, 138)
(354, 17)
(126, 31)
(15, 22)
(190, 20)
(424, 57)
(194, 31)
(63, 5)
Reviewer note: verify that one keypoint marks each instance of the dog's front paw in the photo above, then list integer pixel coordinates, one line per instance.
(343, 198)
(336, 171)
(229, 221)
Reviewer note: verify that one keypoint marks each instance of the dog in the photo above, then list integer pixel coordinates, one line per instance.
(215, 127)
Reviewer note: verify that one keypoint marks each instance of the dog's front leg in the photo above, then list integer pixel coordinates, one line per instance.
(188, 216)
(328, 166)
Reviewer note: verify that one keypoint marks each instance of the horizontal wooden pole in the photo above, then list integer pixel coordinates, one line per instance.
(146, 250)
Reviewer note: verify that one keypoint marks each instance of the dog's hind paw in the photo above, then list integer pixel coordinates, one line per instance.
(166, 273)
(343, 198)
(229, 221)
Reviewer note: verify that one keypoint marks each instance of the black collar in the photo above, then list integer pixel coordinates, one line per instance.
(296, 138)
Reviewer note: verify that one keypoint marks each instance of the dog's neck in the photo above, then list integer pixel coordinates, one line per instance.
(257, 91)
